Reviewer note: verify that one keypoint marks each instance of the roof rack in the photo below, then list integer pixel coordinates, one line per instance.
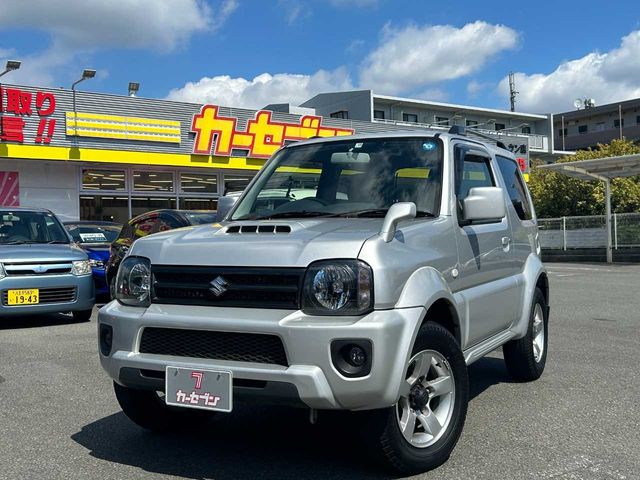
(460, 130)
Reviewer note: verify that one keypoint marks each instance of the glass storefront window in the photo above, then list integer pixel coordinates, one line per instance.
(152, 181)
(144, 204)
(236, 182)
(113, 180)
(109, 208)
(198, 183)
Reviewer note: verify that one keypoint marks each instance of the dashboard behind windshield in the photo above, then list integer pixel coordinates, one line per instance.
(19, 227)
(347, 177)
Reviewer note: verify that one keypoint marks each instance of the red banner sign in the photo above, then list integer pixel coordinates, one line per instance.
(20, 104)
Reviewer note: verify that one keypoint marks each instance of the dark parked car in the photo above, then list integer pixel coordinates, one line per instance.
(95, 238)
(146, 224)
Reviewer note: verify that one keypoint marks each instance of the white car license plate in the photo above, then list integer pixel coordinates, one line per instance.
(203, 389)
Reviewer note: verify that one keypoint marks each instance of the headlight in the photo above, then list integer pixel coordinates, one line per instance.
(81, 267)
(96, 263)
(338, 287)
(2, 272)
(133, 282)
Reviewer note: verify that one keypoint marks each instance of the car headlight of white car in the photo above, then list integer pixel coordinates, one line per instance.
(338, 287)
(81, 267)
(133, 282)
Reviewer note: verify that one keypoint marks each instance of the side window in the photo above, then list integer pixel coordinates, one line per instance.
(167, 222)
(515, 187)
(145, 226)
(472, 170)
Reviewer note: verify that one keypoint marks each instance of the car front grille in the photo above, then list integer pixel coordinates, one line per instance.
(250, 287)
(48, 295)
(43, 268)
(239, 347)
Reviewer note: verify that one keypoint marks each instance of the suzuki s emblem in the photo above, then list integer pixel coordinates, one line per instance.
(218, 286)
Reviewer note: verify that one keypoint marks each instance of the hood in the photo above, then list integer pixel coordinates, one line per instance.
(34, 252)
(295, 243)
(97, 252)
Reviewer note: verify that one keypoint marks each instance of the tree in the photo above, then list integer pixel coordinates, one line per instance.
(557, 195)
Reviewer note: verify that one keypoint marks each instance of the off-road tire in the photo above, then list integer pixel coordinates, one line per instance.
(383, 430)
(519, 354)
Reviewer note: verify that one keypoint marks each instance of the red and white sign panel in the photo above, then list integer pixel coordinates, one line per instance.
(9, 189)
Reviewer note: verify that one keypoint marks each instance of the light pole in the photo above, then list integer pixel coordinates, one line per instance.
(133, 88)
(11, 66)
(87, 73)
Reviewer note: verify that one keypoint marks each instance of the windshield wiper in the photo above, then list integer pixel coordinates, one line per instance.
(380, 212)
(61, 242)
(296, 214)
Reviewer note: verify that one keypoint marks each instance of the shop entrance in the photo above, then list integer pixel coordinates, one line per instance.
(116, 195)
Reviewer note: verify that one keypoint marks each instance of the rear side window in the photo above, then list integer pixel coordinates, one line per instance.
(145, 226)
(473, 170)
(515, 187)
(167, 223)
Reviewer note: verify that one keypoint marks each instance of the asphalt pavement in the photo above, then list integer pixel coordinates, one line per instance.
(581, 421)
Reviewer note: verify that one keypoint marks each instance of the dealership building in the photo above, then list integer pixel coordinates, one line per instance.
(99, 156)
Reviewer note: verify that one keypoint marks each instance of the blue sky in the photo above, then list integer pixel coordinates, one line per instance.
(213, 50)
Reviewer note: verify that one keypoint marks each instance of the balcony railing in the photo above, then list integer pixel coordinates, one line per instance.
(536, 142)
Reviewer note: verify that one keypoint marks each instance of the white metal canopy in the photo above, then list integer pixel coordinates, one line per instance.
(603, 169)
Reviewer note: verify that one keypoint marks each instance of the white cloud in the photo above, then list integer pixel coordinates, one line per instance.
(6, 52)
(86, 24)
(261, 90)
(474, 87)
(606, 77)
(415, 56)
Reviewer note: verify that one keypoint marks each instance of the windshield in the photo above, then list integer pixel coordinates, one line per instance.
(87, 233)
(30, 227)
(200, 218)
(347, 178)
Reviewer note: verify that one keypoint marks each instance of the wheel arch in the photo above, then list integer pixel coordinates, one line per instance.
(444, 313)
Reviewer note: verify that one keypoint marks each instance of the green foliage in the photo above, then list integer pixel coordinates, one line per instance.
(556, 195)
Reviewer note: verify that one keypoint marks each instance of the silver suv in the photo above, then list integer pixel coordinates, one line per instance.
(359, 273)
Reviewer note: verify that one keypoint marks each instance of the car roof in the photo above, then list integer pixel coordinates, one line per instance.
(26, 209)
(90, 222)
(171, 211)
(489, 145)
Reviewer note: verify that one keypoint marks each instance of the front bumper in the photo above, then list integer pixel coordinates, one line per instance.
(306, 340)
(84, 298)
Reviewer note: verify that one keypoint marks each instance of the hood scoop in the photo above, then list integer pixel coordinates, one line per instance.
(258, 229)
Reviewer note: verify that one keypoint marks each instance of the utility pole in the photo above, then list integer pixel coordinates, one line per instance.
(512, 91)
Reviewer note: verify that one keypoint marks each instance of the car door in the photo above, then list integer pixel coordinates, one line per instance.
(525, 233)
(486, 283)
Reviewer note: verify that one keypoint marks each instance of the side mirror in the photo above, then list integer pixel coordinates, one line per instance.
(484, 204)
(397, 212)
(224, 206)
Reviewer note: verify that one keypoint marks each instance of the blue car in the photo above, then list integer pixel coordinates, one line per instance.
(95, 238)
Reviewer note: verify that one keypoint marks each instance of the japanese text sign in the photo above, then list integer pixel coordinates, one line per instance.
(263, 136)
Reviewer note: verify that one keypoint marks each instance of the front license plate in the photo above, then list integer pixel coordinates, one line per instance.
(27, 296)
(204, 389)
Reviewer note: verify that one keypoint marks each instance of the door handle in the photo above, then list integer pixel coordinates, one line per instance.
(506, 241)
